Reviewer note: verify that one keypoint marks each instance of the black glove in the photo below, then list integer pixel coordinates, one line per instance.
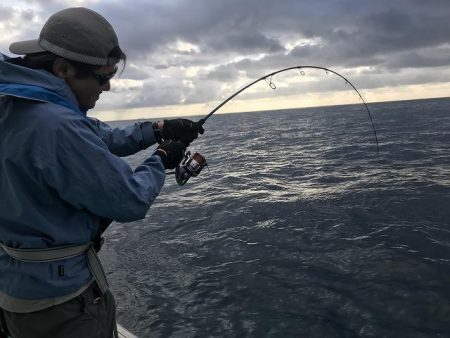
(171, 153)
(183, 130)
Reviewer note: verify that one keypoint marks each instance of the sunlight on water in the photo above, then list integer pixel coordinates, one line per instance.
(298, 229)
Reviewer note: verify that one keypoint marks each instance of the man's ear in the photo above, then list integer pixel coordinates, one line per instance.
(63, 69)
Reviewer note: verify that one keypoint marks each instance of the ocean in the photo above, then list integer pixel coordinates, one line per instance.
(297, 228)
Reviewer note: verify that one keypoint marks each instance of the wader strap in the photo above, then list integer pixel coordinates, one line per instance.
(59, 253)
(96, 268)
(45, 255)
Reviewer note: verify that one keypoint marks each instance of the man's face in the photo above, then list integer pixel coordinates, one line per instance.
(87, 89)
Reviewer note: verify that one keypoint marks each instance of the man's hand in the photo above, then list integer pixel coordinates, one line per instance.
(171, 153)
(183, 130)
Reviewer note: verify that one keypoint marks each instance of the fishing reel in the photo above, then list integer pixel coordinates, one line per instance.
(190, 166)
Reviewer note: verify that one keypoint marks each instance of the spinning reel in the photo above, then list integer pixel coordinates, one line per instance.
(190, 166)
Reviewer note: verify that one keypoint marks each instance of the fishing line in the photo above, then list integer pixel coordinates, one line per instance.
(268, 79)
(192, 164)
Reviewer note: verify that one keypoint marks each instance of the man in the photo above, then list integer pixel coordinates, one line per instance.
(61, 180)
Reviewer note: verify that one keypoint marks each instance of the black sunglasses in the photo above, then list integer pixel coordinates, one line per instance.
(103, 78)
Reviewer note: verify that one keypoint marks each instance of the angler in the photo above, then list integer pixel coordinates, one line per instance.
(62, 180)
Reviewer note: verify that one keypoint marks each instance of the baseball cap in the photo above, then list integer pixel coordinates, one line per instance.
(78, 34)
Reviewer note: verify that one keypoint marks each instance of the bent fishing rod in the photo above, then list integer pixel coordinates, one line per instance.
(193, 164)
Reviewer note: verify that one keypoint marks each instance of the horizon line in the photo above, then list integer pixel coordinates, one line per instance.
(283, 109)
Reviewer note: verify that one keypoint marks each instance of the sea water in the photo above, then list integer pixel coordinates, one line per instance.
(299, 228)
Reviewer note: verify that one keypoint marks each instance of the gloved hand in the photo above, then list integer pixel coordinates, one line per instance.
(171, 153)
(183, 130)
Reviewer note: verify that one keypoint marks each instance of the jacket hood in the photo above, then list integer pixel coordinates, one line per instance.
(11, 74)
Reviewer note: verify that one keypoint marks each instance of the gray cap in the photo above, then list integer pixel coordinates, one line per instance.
(77, 34)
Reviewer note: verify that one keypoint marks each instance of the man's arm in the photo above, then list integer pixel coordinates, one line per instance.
(127, 140)
(88, 176)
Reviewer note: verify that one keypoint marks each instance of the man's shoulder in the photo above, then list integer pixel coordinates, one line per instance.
(51, 117)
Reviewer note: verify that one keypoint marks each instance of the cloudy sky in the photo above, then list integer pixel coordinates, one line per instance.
(185, 56)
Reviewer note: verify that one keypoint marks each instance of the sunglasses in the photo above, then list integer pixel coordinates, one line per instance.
(103, 78)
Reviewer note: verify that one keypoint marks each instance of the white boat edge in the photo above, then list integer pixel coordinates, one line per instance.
(124, 333)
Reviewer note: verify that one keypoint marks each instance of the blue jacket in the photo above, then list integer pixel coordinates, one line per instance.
(59, 174)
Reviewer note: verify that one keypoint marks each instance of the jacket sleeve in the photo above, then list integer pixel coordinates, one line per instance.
(127, 140)
(80, 167)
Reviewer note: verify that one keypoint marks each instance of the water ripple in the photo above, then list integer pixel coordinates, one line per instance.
(299, 229)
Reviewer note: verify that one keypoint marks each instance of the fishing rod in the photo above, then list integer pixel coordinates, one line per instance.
(192, 165)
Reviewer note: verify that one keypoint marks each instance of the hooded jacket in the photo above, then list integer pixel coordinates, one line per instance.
(60, 173)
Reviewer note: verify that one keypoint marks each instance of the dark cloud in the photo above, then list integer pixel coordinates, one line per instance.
(420, 59)
(350, 33)
(244, 42)
(6, 13)
(238, 40)
(222, 73)
(15, 17)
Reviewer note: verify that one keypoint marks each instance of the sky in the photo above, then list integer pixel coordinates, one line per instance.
(185, 56)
